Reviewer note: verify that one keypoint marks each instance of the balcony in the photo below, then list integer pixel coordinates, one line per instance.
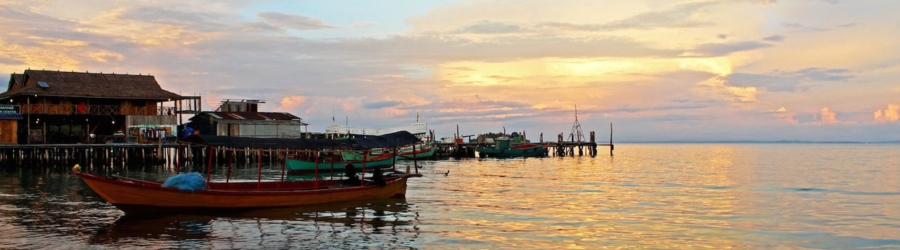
(69, 109)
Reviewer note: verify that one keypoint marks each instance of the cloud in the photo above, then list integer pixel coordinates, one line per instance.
(293, 21)
(722, 49)
(627, 109)
(431, 49)
(792, 81)
(292, 102)
(682, 15)
(847, 25)
(800, 27)
(490, 27)
(828, 116)
(774, 38)
(783, 115)
(820, 74)
(622, 62)
(196, 20)
(382, 104)
(568, 17)
(891, 114)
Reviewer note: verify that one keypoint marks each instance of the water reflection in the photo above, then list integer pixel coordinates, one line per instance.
(340, 223)
(41, 206)
(648, 196)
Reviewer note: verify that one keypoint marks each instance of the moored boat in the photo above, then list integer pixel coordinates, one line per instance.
(139, 196)
(339, 161)
(421, 151)
(504, 147)
(385, 157)
(206, 196)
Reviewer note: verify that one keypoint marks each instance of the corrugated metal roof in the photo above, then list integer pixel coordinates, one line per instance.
(280, 116)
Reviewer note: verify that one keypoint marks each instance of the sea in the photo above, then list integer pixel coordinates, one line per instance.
(646, 196)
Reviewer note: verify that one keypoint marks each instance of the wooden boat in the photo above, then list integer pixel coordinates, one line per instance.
(143, 196)
(506, 148)
(422, 151)
(139, 196)
(299, 165)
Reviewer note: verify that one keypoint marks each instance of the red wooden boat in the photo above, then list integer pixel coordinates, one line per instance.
(138, 196)
(141, 196)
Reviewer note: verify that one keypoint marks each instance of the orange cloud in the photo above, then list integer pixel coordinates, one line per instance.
(828, 116)
(290, 102)
(891, 114)
(784, 115)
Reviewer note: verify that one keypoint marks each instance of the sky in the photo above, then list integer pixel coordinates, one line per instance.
(657, 70)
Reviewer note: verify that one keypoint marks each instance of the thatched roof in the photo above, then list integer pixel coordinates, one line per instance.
(88, 85)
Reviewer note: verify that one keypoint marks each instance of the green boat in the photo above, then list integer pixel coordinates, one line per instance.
(339, 161)
(507, 148)
(311, 155)
(423, 151)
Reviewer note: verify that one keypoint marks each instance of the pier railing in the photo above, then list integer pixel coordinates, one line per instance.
(73, 109)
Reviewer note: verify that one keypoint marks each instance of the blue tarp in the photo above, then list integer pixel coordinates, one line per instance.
(186, 181)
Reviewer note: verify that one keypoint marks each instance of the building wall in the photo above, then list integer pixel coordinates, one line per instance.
(258, 129)
(8, 131)
(149, 129)
(138, 108)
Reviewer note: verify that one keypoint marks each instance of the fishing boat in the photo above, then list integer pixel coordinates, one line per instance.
(297, 164)
(141, 197)
(382, 157)
(135, 196)
(423, 150)
(505, 147)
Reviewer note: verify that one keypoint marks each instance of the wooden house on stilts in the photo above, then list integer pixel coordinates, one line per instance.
(56, 107)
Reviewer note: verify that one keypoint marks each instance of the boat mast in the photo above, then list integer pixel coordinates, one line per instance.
(576, 133)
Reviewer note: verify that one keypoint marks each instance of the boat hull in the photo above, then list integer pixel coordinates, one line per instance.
(420, 154)
(537, 151)
(301, 166)
(135, 196)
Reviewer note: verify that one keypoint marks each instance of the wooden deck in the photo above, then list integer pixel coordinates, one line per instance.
(467, 150)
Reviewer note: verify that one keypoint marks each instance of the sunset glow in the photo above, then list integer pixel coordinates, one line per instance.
(662, 70)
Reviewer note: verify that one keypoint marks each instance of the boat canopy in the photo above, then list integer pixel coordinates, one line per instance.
(392, 140)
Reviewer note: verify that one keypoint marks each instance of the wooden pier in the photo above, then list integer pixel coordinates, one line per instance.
(559, 148)
(181, 155)
(117, 155)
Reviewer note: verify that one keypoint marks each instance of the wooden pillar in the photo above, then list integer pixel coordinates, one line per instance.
(362, 174)
(209, 166)
(415, 158)
(228, 171)
(28, 120)
(259, 170)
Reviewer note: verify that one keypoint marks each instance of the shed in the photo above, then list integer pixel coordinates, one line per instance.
(248, 124)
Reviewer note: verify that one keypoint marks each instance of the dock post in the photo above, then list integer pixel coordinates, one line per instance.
(610, 139)
(559, 145)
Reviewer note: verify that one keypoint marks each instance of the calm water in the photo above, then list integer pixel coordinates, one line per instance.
(688, 196)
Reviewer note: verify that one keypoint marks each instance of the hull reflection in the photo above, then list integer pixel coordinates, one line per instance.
(281, 227)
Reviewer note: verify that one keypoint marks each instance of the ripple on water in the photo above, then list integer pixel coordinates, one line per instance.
(648, 196)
